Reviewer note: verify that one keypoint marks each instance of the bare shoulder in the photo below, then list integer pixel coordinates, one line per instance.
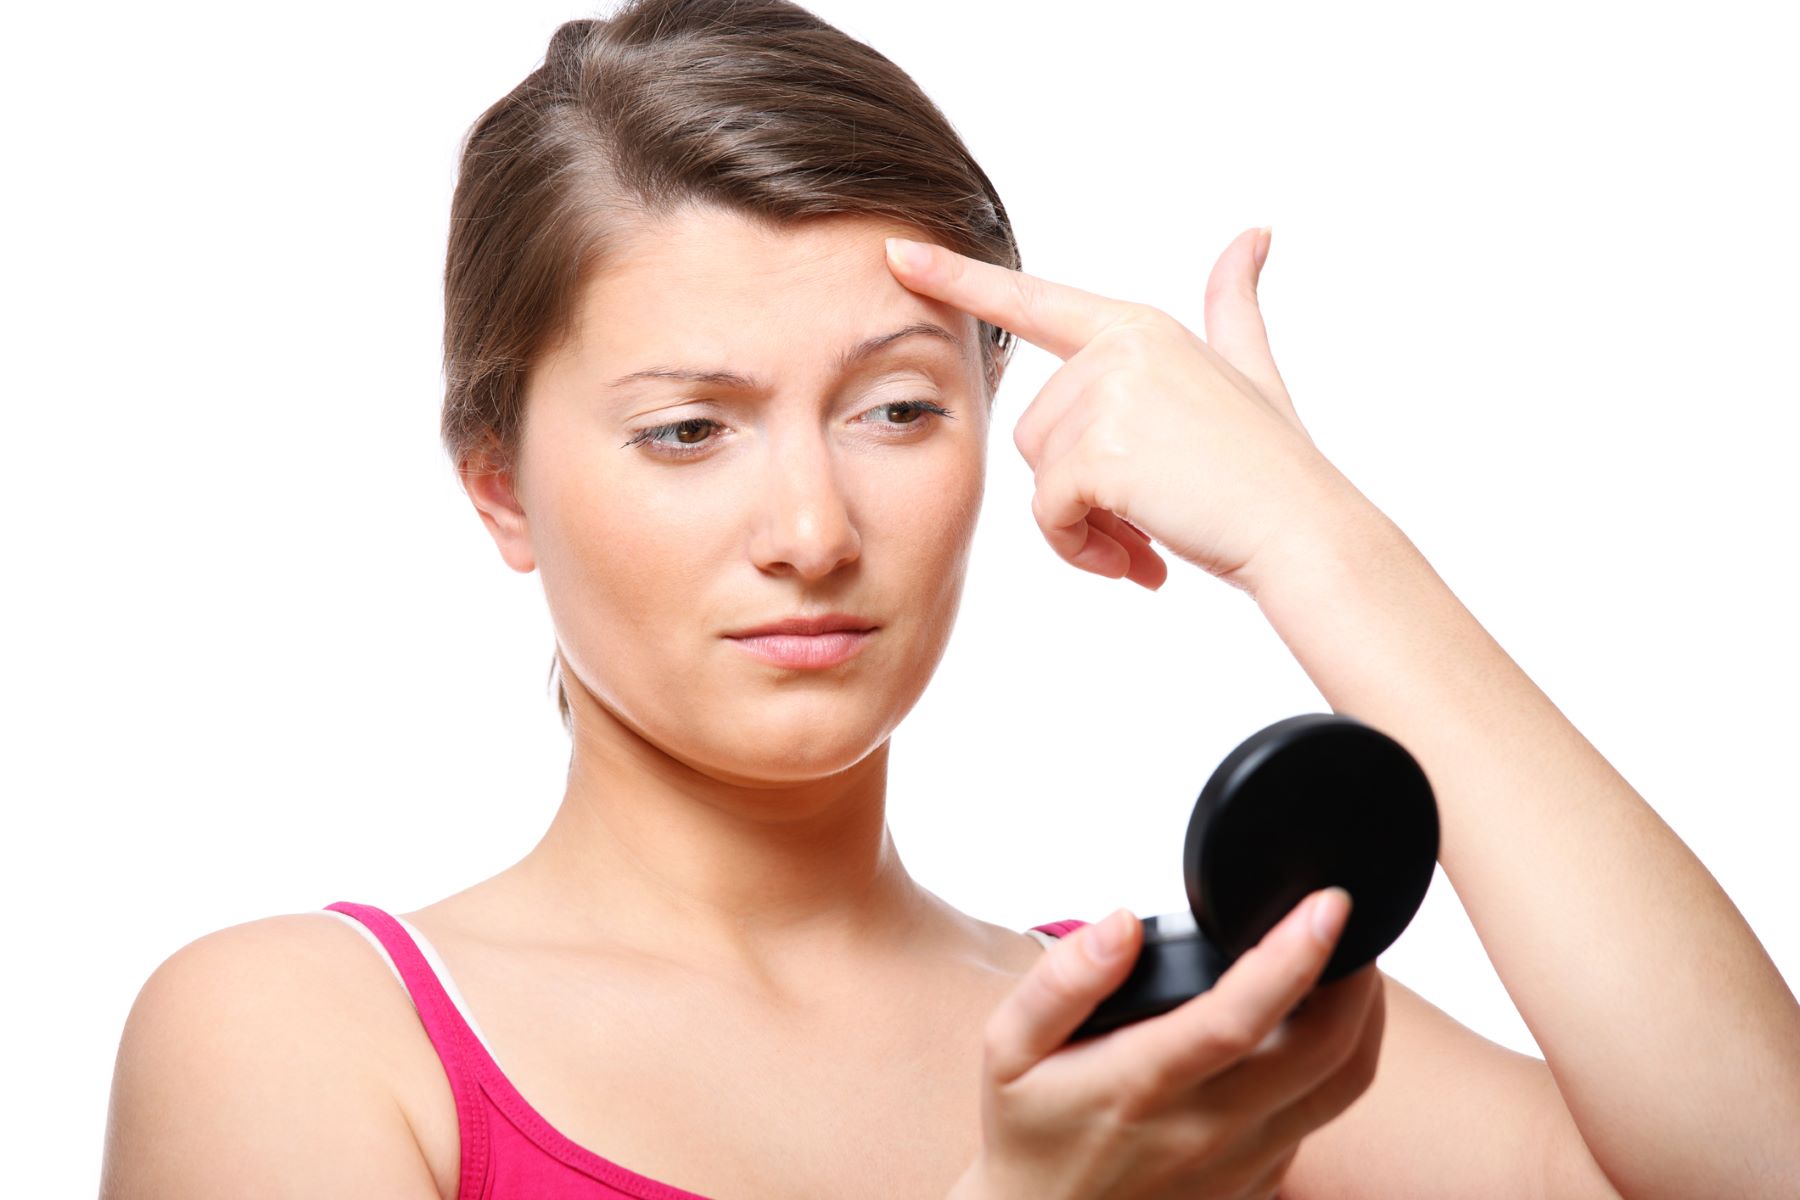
(260, 1059)
(1450, 1113)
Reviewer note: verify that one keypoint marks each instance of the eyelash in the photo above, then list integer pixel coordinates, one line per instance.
(652, 436)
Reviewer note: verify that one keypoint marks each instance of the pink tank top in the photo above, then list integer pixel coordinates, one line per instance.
(509, 1151)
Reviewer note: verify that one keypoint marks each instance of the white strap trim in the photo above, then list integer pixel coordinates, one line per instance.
(443, 972)
(432, 957)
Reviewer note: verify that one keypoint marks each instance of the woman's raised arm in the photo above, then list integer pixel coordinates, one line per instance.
(1672, 1038)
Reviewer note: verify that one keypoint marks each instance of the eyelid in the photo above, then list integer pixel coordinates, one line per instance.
(728, 404)
(653, 435)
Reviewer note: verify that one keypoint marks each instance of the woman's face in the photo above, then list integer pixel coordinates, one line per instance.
(810, 485)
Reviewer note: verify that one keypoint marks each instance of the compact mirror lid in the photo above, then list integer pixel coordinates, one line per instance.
(1308, 802)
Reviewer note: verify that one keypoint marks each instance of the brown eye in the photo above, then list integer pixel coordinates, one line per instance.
(902, 413)
(690, 437)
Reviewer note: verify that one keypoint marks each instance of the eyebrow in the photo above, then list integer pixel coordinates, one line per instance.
(847, 359)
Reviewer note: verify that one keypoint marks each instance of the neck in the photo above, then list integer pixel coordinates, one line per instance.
(774, 881)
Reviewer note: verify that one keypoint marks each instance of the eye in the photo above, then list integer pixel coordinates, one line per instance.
(911, 408)
(690, 435)
(687, 433)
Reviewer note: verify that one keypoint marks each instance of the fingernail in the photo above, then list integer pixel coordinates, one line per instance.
(1329, 913)
(1109, 935)
(1263, 237)
(906, 254)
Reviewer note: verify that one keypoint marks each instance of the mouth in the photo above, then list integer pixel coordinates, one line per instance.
(805, 651)
(832, 622)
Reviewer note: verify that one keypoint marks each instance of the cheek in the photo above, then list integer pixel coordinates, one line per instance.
(922, 519)
(624, 563)
(954, 490)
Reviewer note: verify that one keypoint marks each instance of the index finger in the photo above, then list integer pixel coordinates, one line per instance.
(1060, 318)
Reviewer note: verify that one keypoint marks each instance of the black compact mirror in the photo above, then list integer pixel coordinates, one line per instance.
(1308, 802)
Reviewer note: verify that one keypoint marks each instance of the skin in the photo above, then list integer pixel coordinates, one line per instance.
(1672, 1044)
(721, 812)
(718, 911)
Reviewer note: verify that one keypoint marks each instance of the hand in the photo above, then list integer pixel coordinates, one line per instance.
(1147, 431)
(1208, 1101)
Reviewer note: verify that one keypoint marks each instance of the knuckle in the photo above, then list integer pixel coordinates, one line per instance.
(1026, 291)
(1223, 1150)
(1106, 470)
(1105, 439)
(1140, 316)
(1133, 337)
(1149, 1082)
(1142, 1088)
(1155, 1065)
(1233, 1033)
(1113, 386)
(952, 266)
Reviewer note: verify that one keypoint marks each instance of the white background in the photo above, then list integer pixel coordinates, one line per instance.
(1532, 288)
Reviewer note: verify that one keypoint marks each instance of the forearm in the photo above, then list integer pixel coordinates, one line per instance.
(1671, 1036)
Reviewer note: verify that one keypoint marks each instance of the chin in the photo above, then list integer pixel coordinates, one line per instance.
(769, 753)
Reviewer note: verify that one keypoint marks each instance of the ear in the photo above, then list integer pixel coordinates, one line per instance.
(490, 488)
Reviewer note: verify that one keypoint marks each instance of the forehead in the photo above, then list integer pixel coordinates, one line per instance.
(714, 289)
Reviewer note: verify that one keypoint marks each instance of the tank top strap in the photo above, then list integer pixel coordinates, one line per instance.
(457, 1046)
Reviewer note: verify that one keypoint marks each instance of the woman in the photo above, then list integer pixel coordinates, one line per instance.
(691, 385)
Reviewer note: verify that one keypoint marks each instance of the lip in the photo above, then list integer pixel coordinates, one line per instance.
(806, 651)
(807, 626)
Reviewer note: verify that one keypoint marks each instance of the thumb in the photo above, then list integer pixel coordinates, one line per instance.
(1059, 992)
(1234, 323)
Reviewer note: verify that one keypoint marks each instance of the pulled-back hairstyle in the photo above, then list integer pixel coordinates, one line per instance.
(754, 106)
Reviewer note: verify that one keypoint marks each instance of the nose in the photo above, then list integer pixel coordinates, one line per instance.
(804, 523)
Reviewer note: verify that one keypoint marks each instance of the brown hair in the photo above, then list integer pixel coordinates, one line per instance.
(755, 106)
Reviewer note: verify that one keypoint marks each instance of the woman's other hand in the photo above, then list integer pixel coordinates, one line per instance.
(1147, 430)
(1208, 1101)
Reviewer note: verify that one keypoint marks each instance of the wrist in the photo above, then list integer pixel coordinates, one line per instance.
(1338, 532)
